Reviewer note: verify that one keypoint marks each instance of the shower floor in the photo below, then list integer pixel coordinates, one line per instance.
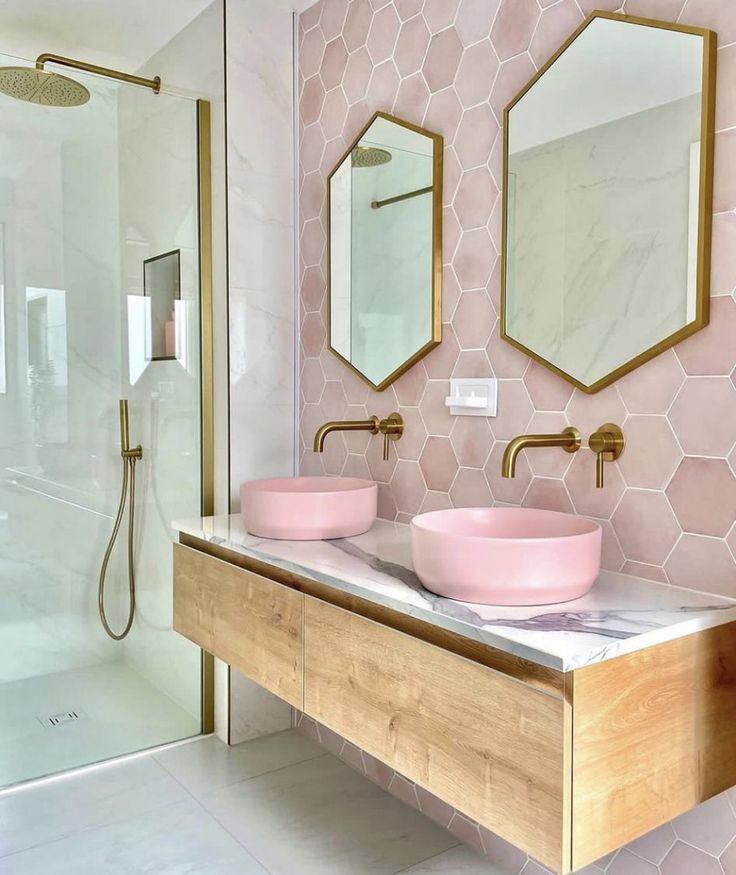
(117, 711)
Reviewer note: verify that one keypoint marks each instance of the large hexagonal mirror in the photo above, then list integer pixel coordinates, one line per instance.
(384, 249)
(608, 157)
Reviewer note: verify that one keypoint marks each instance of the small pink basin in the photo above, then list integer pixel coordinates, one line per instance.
(308, 508)
(506, 556)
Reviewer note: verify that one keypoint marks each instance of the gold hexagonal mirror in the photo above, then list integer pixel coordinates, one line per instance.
(385, 249)
(608, 156)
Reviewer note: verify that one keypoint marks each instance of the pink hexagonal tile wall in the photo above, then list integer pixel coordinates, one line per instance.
(668, 506)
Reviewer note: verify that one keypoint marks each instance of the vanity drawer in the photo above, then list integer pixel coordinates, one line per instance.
(248, 621)
(485, 743)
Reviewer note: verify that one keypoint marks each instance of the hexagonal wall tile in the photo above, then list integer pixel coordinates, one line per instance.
(474, 198)
(514, 410)
(435, 414)
(412, 99)
(408, 487)
(474, 261)
(652, 387)
(471, 439)
(473, 321)
(475, 136)
(332, 17)
(555, 26)
(477, 68)
(546, 389)
(438, 463)
(548, 494)
(652, 452)
(470, 489)
(703, 416)
(382, 35)
(511, 78)
(646, 527)
(439, 14)
(513, 28)
(712, 351)
(442, 59)
(333, 63)
(703, 496)
(383, 87)
(357, 75)
(474, 19)
(357, 25)
(412, 45)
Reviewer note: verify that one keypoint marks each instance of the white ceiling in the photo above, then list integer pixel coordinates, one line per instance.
(123, 33)
(116, 33)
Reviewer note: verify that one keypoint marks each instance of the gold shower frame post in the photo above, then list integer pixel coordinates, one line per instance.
(705, 206)
(206, 327)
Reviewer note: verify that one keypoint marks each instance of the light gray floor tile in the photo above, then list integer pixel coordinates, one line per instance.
(456, 861)
(319, 817)
(176, 840)
(35, 814)
(208, 764)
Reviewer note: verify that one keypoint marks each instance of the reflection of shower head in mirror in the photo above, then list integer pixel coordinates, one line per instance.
(370, 156)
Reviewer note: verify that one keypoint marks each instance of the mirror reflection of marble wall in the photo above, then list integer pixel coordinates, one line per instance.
(604, 197)
(383, 255)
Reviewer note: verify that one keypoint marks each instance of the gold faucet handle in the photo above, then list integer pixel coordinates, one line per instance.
(608, 443)
(391, 428)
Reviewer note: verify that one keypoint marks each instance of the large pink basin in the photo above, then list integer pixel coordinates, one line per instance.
(308, 508)
(506, 556)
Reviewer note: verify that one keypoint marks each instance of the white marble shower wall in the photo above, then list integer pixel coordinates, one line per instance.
(260, 156)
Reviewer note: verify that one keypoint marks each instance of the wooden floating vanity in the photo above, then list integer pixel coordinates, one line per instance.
(568, 764)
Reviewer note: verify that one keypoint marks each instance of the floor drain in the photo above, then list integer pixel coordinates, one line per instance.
(58, 719)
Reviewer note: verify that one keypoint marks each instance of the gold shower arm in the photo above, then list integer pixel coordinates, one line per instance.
(376, 205)
(48, 58)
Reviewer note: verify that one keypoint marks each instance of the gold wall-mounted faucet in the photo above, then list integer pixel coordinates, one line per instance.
(607, 443)
(569, 440)
(392, 427)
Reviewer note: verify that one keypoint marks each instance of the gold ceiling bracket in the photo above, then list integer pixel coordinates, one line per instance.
(49, 58)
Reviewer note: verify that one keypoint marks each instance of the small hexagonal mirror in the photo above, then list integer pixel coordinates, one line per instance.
(384, 249)
(608, 156)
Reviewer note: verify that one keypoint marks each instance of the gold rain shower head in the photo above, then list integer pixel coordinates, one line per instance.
(370, 156)
(37, 85)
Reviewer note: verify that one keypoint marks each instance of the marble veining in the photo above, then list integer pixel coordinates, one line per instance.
(621, 614)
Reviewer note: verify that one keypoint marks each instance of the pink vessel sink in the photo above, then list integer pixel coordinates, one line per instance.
(506, 556)
(308, 508)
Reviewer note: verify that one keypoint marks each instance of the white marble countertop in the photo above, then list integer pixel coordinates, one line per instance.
(621, 614)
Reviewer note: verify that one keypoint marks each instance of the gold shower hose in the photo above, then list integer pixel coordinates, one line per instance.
(130, 458)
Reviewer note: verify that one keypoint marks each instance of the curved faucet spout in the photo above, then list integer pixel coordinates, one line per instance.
(569, 440)
(371, 425)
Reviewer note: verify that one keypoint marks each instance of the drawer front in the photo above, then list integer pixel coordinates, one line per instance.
(487, 744)
(253, 624)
